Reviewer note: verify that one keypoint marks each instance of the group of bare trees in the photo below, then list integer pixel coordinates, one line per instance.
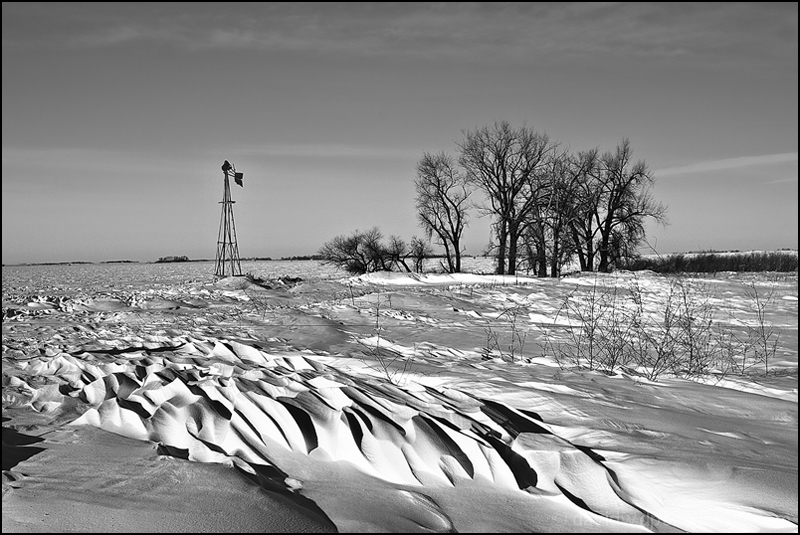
(548, 206)
(366, 252)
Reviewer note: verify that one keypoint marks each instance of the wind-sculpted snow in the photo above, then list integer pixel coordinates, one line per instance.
(284, 419)
(161, 401)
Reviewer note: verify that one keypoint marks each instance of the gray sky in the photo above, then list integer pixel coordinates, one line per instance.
(117, 117)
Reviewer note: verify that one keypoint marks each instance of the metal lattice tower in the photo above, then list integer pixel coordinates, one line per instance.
(227, 262)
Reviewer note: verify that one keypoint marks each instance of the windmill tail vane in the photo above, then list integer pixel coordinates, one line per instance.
(227, 262)
(238, 177)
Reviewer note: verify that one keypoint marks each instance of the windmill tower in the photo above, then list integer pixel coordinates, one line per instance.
(227, 261)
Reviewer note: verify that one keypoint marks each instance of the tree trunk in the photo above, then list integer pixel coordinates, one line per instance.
(603, 266)
(604, 243)
(541, 253)
(513, 238)
(501, 248)
(579, 248)
(554, 259)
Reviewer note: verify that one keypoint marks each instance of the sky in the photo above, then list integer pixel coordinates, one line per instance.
(117, 117)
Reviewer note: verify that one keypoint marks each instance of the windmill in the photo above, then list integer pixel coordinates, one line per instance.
(227, 261)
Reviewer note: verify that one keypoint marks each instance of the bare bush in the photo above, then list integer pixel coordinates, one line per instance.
(585, 314)
(615, 328)
(510, 348)
(394, 366)
(366, 252)
(762, 336)
(358, 253)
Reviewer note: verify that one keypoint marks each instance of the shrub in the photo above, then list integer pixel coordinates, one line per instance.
(365, 252)
(711, 262)
(671, 331)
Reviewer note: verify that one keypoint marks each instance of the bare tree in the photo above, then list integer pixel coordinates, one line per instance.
(345, 252)
(533, 232)
(504, 163)
(625, 203)
(398, 252)
(377, 254)
(361, 252)
(420, 250)
(584, 205)
(442, 202)
(566, 172)
(534, 245)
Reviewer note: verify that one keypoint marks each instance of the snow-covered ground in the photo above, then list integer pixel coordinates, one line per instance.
(385, 402)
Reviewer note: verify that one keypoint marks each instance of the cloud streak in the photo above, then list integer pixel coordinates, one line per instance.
(782, 181)
(110, 163)
(326, 151)
(707, 33)
(728, 163)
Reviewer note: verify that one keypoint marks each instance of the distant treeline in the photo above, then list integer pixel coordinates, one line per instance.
(248, 259)
(48, 264)
(711, 262)
(303, 257)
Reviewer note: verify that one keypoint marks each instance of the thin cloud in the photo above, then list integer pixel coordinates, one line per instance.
(707, 33)
(728, 163)
(326, 151)
(782, 181)
(88, 160)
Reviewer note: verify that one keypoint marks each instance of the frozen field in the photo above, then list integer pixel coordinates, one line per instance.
(149, 397)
